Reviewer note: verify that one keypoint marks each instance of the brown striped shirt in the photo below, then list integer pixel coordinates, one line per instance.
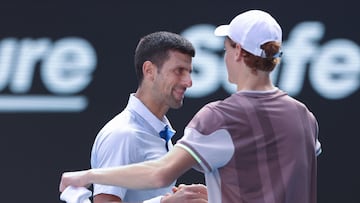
(255, 147)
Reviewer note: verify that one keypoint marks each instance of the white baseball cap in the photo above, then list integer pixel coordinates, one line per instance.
(252, 29)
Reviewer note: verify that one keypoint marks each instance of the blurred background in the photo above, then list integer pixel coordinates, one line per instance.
(66, 68)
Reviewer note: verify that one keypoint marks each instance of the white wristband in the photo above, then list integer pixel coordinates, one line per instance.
(154, 200)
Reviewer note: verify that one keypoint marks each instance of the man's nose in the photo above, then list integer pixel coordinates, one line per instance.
(187, 80)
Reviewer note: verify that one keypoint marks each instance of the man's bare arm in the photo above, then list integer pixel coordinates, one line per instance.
(145, 175)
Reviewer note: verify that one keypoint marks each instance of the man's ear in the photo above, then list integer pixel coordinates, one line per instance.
(149, 70)
(238, 52)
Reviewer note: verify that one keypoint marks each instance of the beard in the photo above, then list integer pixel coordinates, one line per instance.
(176, 103)
(175, 100)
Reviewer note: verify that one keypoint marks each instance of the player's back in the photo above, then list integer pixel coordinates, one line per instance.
(274, 137)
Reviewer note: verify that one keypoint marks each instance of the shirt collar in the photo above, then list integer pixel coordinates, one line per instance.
(136, 105)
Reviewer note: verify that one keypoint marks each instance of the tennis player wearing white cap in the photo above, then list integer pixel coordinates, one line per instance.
(258, 145)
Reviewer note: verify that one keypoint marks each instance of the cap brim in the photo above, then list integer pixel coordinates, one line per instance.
(222, 30)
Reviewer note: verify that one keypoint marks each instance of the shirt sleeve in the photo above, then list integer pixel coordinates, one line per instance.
(207, 140)
(112, 149)
(318, 148)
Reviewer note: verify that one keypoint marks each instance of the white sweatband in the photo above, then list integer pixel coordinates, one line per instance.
(154, 200)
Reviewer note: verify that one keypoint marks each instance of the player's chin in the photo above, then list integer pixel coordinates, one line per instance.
(177, 103)
(178, 98)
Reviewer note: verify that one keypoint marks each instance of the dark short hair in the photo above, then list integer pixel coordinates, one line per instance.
(155, 47)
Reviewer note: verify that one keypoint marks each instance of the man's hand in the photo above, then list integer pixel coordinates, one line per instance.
(77, 179)
(195, 193)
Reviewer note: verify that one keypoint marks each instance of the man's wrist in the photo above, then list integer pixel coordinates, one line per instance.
(88, 177)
